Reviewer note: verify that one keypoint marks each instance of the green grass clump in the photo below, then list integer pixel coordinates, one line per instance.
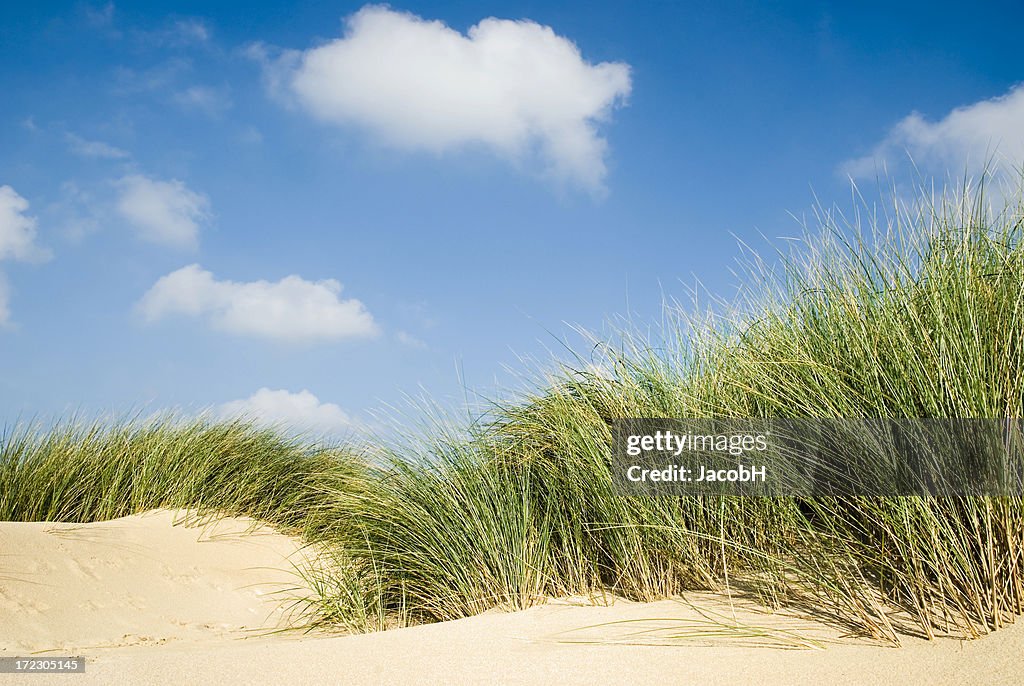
(913, 313)
(920, 314)
(85, 473)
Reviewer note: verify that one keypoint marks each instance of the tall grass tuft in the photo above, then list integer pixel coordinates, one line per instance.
(91, 472)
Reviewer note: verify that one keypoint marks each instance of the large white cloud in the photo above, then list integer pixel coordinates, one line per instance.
(969, 138)
(291, 309)
(513, 86)
(17, 229)
(302, 411)
(164, 212)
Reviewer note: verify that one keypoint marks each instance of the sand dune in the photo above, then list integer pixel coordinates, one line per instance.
(151, 603)
(140, 580)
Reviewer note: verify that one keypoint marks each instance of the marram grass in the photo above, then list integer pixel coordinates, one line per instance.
(92, 472)
(913, 312)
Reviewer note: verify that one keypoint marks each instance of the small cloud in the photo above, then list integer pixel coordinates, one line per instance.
(29, 124)
(210, 101)
(291, 309)
(986, 134)
(18, 229)
(175, 32)
(179, 33)
(409, 340)
(172, 81)
(17, 241)
(300, 411)
(99, 17)
(86, 148)
(514, 87)
(189, 30)
(164, 212)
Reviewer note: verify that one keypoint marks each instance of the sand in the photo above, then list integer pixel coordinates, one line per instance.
(147, 600)
(142, 580)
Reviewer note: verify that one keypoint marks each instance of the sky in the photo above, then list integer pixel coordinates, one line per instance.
(308, 212)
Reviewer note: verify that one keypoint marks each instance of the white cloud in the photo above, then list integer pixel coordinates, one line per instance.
(164, 212)
(18, 229)
(87, 148)
(291, 309)
(302, 411)
(512, 86)
(989, 132)
(17, 240)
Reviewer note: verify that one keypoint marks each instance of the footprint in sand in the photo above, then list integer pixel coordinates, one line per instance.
(25, 606)
(82, 569)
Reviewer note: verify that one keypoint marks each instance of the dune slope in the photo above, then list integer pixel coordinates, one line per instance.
(140, 580)
(149, 601)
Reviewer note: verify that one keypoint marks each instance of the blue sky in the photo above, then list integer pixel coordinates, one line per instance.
(312, 210)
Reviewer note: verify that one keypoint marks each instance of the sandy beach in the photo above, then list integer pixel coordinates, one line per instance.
(147, 600)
